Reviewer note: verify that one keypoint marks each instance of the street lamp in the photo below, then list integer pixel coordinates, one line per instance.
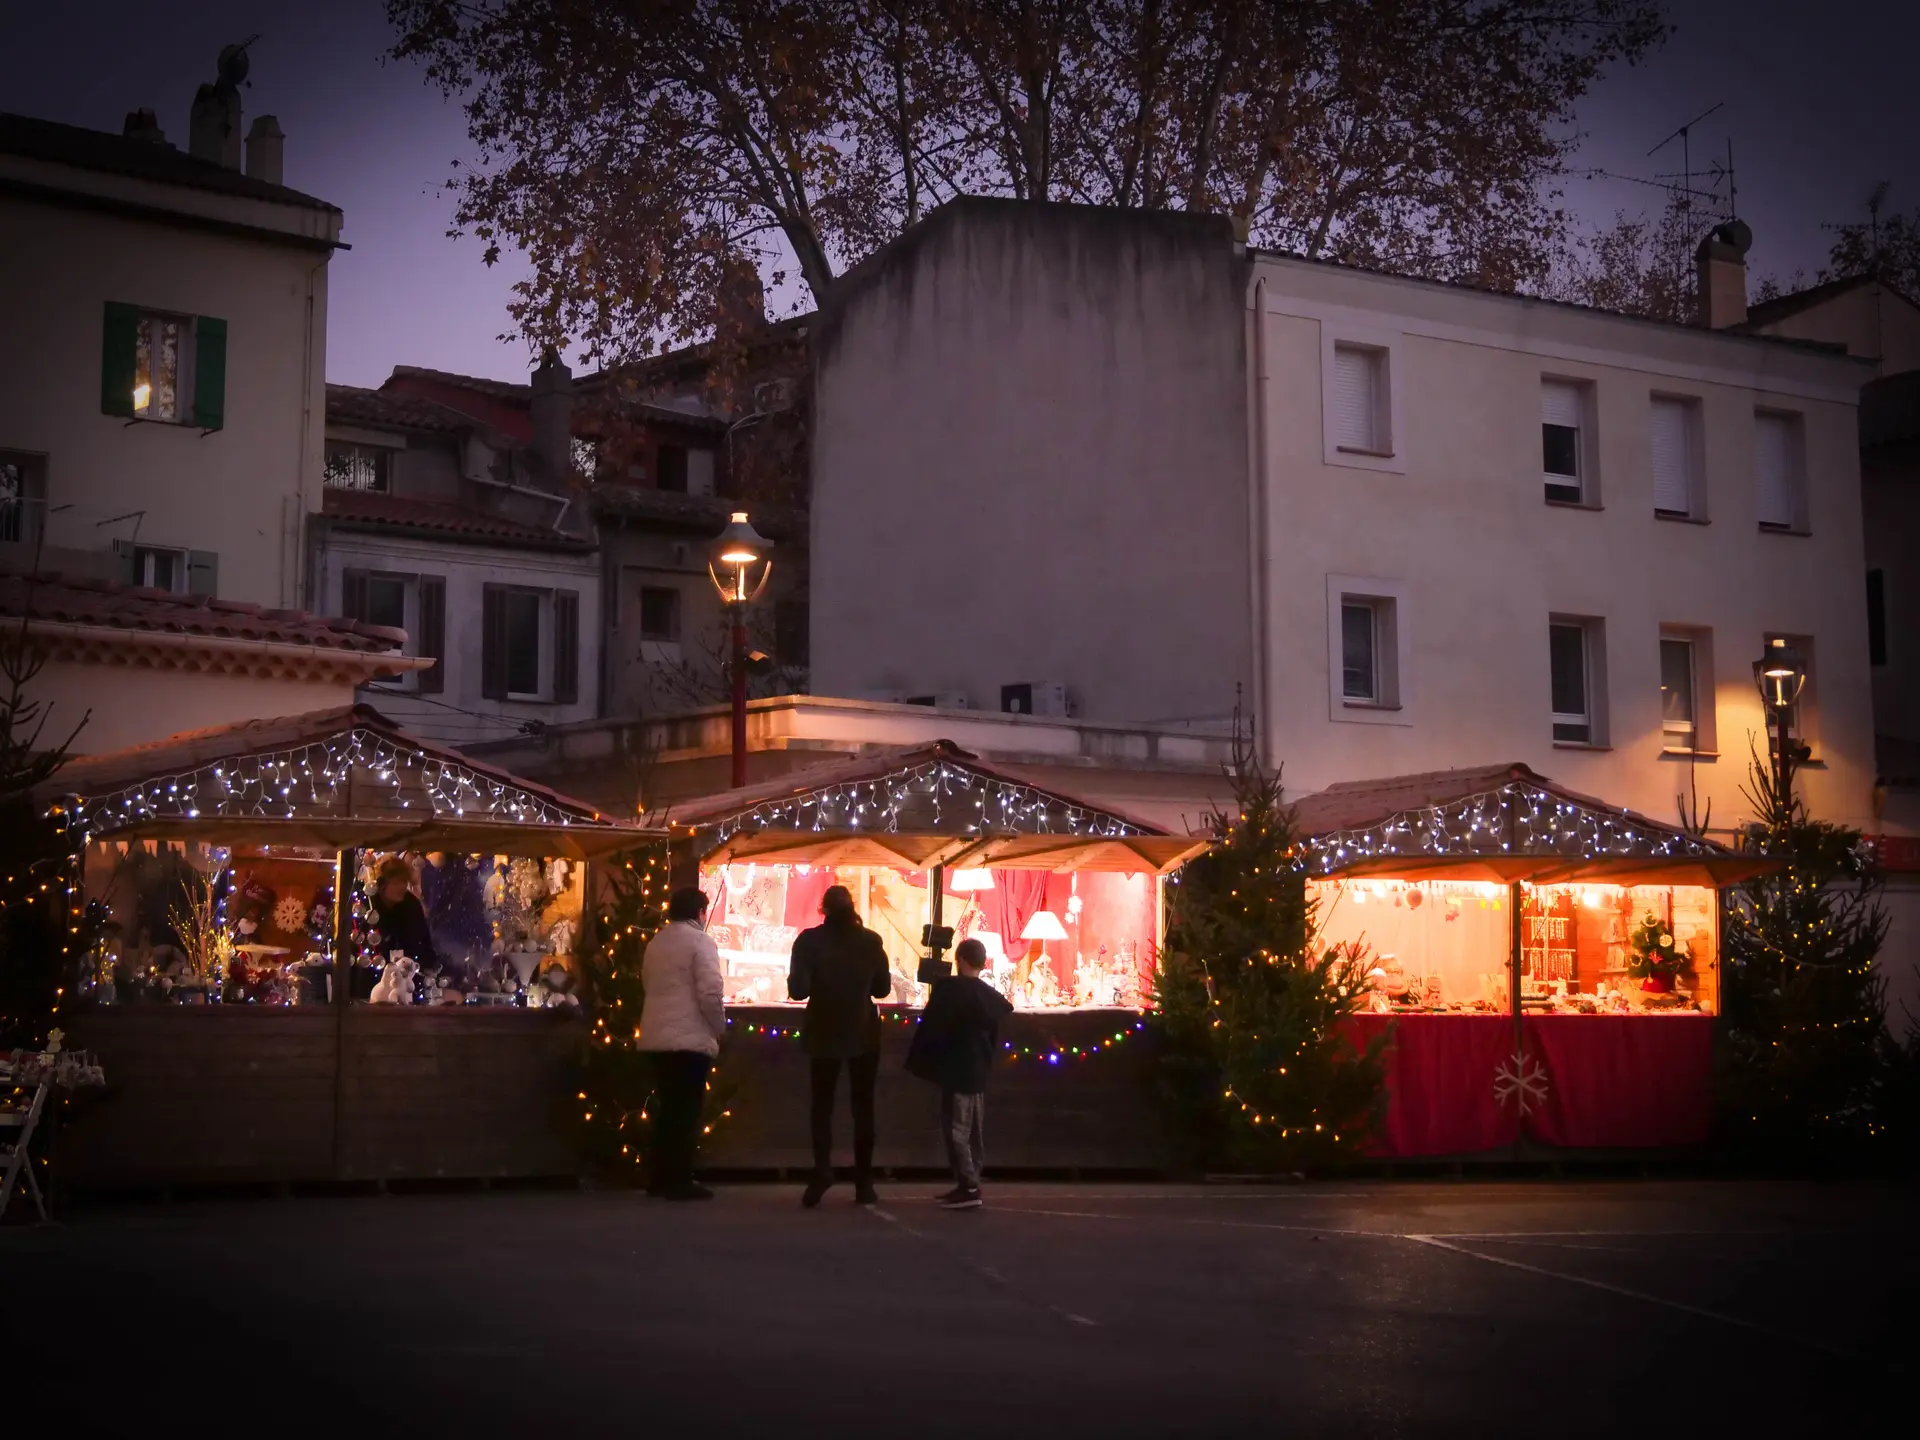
(1780, 674)
(739, 567)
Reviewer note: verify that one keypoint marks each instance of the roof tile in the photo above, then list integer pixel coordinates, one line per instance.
(75, 600)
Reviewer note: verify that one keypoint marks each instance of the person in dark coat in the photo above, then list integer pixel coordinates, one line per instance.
(399, 916)
(839, 968)
(955, 1046)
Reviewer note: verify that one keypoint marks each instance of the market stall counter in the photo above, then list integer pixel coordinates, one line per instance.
(258, 1028)
(1546, 965)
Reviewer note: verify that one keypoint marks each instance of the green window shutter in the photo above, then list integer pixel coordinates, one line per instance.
(493, 642)
(209, 372)
(118, 340)
(203, 572)
(433, 633)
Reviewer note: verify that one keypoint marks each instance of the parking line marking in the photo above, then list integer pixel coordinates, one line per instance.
(1438, 1243)
(984, 1271)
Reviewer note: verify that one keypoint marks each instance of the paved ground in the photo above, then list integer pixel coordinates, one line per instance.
(1360, 1309)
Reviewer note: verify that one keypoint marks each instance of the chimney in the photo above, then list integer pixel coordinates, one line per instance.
(143, 125)
(266, 150)
(552, 417)
(742, 295)
(1721, 292)
(214, 131)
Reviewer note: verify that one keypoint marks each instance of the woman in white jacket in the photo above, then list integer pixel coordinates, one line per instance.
(682, 1024)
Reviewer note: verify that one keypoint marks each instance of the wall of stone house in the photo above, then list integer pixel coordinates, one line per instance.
(1458, 521)
(125, 706)
(1029, 464)
(241, 491)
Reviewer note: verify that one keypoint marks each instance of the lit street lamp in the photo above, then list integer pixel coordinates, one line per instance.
(739, 567)
(1780, 674)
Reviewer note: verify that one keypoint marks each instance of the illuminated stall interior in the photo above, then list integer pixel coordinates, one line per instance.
(211, 862)
(1066, 897)
(1429, 873)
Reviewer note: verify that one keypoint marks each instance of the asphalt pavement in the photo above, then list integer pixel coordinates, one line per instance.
(1462, 1308)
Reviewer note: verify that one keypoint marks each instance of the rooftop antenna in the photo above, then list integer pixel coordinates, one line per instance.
(1876, 198)
(233, 62)
(1686, 192)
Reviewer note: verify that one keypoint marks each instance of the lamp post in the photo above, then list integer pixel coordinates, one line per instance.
(739, 568)
(1780, 673)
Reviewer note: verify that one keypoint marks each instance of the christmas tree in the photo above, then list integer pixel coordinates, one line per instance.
(616, 1076)
(1807, 1054)
(1256, 1070)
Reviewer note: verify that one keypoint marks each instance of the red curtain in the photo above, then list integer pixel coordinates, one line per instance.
(1623, 1081)
(803, 895)
(1440, 1083)
(1016, 894)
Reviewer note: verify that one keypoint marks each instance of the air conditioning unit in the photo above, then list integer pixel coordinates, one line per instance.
(1036, 697)
(943, 700)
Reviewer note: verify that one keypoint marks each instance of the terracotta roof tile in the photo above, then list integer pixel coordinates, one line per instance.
(370, 508)
(77, 600)
(352, 405)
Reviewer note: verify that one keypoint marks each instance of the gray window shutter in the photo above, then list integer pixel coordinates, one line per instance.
(1673, 457)
(353, 595)
(1356, 402)
(1775, 437)
(433, 633)
(118, 342)
(127, 562)
(209, 372)
(493, 642)
(566, 646)
(203, 572)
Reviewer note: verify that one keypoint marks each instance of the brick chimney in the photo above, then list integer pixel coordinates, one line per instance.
(266, 150)
(1721, 293)
(552, 417)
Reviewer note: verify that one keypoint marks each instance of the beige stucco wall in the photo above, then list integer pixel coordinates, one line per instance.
(1483, 561)
(1868, 320)
(126, 706)
(240, 491)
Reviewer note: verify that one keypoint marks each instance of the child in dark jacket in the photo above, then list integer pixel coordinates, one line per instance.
(954, 1047)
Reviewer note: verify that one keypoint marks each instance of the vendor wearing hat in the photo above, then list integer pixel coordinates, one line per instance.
(399, 915)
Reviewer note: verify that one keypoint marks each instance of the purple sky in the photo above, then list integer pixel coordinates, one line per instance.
(1820, 101)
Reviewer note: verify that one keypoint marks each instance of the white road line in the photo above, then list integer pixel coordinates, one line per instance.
(985, 1272)
(1195, 1220)
(1438, 1243)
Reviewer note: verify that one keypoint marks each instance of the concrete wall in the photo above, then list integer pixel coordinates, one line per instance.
(132, 707)
(241, 491)
(1457, 520)
(459, 713)
(1029, 463)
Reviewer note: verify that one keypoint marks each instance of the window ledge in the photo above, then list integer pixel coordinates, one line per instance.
(1364, 450)
(1573, 504)
(1685, 752)
(1366, 705)
(1581, 745)
(1676, 518)
(1791, 531)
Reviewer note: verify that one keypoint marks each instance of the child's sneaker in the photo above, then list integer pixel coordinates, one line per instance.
(960, 1198)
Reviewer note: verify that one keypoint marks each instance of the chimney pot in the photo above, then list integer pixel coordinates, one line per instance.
(1721, 290)
(143, 125)
(214, 125)
(266, 150)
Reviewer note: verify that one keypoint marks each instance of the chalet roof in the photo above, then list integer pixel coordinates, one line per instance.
(1500, 822)
(436, 520)
(75, 600)
(344, 776)
(920, 805)
(112, 154)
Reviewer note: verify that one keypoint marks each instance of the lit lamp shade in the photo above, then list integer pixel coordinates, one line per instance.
(1045, 925)
(969, 882)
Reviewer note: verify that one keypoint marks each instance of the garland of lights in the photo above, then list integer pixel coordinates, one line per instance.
(1541, 824)
(314, 778)
(1051, 1054)
(981, 802)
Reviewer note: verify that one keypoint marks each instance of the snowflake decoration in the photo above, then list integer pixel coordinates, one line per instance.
(290, 914)
(1522, 1079)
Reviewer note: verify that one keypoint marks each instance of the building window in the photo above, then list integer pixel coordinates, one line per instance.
(529, 644)
(1676, 458)
(1687, 721)
(523, 610)
(1360, 399)
(167, 368)
(1563, 441)
(161, 372)
(1367, 650)
(670, 465)
(659, 614)
(159, 569)
(1577, 665)
(356, 467)
(1877, 617)
(1779, 440)
(20, 498)
(1359, 652)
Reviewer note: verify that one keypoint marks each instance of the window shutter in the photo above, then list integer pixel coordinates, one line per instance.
(1672, 457)
(353, 595)
(1774, 440)
(209, 373)
(566, 646)
(1560, 403)
(119, 340)
(203, 572)
(493, 642)
(127, 562)
(1355, 404)
(433, 633)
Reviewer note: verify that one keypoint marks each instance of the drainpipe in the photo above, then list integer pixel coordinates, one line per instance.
(1263, 717)
(293, 534)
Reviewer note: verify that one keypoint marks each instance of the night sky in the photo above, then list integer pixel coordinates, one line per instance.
(1820, 101)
